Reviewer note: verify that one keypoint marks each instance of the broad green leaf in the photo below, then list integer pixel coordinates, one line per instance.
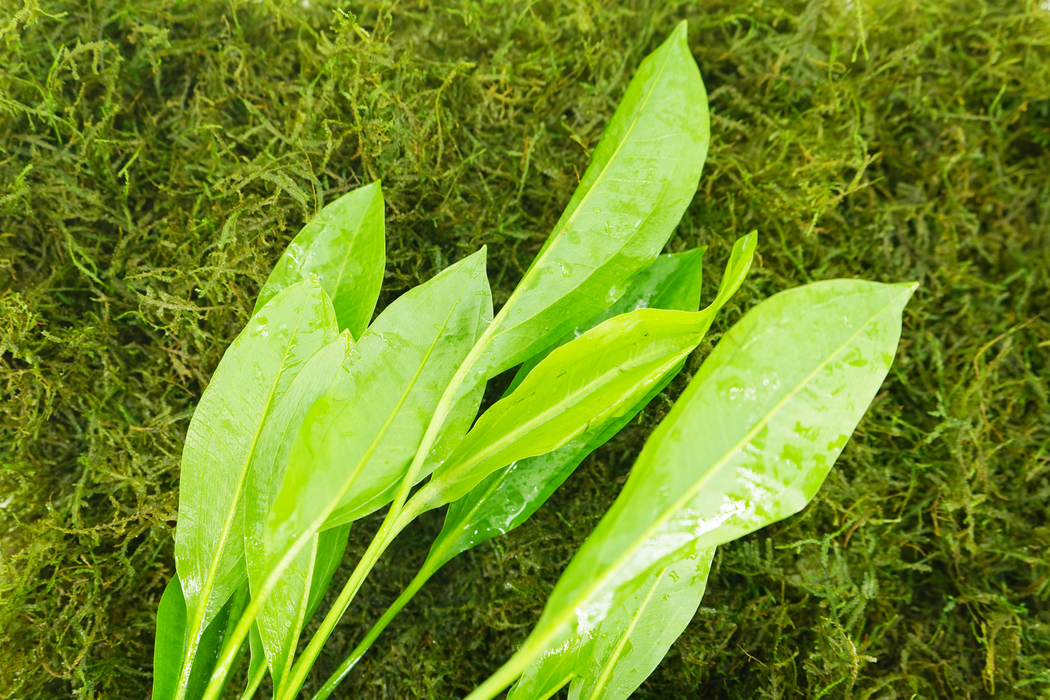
(359, 437)
(749, 443)
(253, 375)
(620, 653)
(288, 606)
(642, 176)
(344, 246)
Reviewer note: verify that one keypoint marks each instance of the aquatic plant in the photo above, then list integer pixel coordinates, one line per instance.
(316, 418)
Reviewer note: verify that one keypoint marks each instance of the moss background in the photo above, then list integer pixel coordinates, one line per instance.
(157, 155)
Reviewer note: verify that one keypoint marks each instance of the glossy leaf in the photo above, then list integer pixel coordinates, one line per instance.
(748, 443)
(257, 666)
(170, 645)
(344, 246)
(288, 606)
(582, 388)
(620, 653)
(642, 176)
(358, 438)
(254, 373)
(671, 282)
(587, 384)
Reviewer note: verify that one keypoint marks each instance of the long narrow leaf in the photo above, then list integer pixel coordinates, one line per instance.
(288, 606)
(172, 635)
(254, 373)
(642, 176)
(582, 388)
(509, 496)
(749, 443)
(359, 437)
(344, 246)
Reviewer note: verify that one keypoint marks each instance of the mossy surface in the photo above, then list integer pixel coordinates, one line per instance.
(157, 155)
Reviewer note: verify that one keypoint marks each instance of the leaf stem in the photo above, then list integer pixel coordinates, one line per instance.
(422, 576)
(393, 524)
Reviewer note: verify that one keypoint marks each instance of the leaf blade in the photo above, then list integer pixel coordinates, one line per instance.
(293, 598)
(344, 246)
(255, 371)
(642, 176)
(398, 369)
(684, 496)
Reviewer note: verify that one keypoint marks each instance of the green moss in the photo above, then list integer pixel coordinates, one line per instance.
(156, 155)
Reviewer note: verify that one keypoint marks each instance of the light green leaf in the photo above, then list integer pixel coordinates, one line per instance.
(344, 246)
(642, 176)
(620, 653)
(170, 642)
(582, 388)
(671, 282)
(749, 443)
(359, 437)
(257, 666)
(288, 606)
(254, 373)
(585, 385)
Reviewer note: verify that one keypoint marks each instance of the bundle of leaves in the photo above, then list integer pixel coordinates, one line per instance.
(159, 155)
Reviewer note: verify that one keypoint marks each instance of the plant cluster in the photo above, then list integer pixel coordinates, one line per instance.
(158, 155)
(316, 418)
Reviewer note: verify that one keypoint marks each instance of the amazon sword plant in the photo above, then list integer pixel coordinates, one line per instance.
(319, 415)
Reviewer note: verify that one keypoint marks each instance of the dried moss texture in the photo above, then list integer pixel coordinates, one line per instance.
(156, 156)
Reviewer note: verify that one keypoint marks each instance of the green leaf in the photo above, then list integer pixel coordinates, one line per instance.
(257, 666)
(344, 246)
(671, 282)
(170, 646)
(620, 653)
(582, 389)
(509, 496)
(292, 600)
(749, 443)
(585, 385)
(223, 435)
(359, 437)
(642, 176)
(170, 643)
